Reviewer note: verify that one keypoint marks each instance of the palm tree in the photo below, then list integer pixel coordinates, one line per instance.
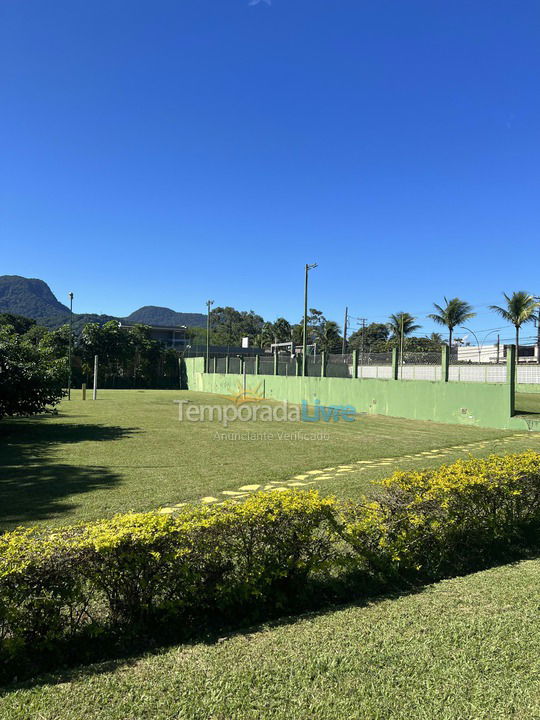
(455, 313)
(401, 324)
(520, 309)
(265, 337)
(328, 337)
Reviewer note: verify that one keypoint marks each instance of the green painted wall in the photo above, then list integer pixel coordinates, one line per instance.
(482, 404)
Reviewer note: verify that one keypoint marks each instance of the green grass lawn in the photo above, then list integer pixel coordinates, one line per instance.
(528, 403)
(463, 649)
(128, 451)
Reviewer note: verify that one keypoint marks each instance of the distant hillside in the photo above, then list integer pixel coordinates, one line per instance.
(153, 315)
(31, 298)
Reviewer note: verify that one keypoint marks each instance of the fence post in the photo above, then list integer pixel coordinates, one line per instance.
(298, 365)
(355, 363)
(323, 363)
(241, 364)
(227, 364)
(511, 377)
(257, 364)
(94, 392)
(394, 364)
(214, 365)
(276, 364)
(445, 362)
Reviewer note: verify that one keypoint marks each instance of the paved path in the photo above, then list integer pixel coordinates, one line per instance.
(315, 477)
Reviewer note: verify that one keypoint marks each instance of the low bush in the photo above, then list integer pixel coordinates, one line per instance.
(127, 577)
(450, 520)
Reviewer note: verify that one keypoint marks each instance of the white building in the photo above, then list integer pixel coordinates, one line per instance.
(488, 353)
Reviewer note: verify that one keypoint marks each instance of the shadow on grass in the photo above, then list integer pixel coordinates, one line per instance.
(32, 485)
(109, 658)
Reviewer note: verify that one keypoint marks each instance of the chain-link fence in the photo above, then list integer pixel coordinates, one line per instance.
(463, 367)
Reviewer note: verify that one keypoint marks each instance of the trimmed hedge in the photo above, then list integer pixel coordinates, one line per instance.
(131, 575)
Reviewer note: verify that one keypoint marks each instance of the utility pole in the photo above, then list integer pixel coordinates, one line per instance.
(304, 343)
(70, 295)
(345, 325)
(209, 304)
(401, 349)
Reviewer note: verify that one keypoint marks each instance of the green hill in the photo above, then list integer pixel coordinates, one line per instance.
(33, 298)
(154, 315)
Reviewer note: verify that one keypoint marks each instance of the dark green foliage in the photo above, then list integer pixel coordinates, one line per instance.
(368, 338)
(229, 326)
(31, 380)
(20, 324)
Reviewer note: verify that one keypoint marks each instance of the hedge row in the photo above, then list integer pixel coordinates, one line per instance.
(135, 572)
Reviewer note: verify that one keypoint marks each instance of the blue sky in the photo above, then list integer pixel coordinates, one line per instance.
(169, 151)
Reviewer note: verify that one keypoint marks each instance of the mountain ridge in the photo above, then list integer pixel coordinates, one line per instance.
(33, 298)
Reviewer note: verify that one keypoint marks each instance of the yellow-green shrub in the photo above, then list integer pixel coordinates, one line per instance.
(135, 567)
(137, 572)
(449, 519)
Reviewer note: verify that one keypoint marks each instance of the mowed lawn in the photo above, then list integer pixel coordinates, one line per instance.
(463, 649)
(128, 451)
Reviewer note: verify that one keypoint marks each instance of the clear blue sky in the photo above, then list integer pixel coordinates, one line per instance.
(169, 151)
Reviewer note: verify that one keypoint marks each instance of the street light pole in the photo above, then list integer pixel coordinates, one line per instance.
(304, 343)
(537, 298)
(401, 349)
(209, 304)
(477, 341)
(70, 339)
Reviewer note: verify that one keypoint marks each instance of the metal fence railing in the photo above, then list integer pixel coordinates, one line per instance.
(414, 366)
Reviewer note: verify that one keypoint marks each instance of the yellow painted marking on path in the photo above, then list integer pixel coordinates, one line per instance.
(279, 489)
(314, 472)
(233, 493)
(250, 487)
(325, 477)
(297, 484)
(165, 510)
(208, 499)
(179, 505)
(300, 477)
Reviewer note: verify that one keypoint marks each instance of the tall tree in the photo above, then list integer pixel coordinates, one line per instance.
(453, 314)
(520, 309)
(31, 379)
(265, 337)
(282, 330)
(367, 338)
(328, 337)
(402, 324)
